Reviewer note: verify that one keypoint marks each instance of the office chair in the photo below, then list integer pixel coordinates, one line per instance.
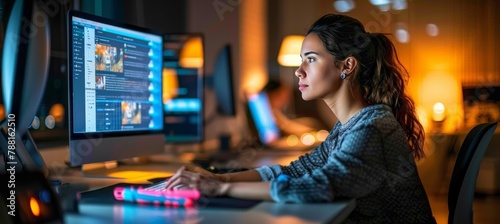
(465, 172)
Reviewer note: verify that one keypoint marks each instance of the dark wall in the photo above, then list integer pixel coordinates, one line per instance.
(162, 16)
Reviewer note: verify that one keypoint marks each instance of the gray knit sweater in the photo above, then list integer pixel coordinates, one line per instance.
(367, 158)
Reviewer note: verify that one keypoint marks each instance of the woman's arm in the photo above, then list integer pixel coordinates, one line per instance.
(248, 190)
(189, 174)
(244, 176)
(210, 186)
(355, 169)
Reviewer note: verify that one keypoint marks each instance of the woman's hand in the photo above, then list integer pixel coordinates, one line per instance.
(197, 169)
(206, 184)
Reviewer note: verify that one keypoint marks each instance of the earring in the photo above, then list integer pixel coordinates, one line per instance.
(342, 75)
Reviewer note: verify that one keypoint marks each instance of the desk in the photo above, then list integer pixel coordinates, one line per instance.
(264, 212)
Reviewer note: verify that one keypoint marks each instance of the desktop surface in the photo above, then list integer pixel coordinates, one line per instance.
(265, 212)
(105, 211)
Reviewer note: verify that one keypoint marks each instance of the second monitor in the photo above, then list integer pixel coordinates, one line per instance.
(222, 82)
(183, 87)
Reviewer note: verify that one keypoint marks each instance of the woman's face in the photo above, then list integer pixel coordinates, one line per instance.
(319, 78)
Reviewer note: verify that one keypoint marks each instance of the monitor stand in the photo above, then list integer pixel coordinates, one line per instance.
(99, 170)
(25, 155)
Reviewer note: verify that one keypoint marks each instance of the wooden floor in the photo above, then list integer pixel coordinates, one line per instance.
(486, 209)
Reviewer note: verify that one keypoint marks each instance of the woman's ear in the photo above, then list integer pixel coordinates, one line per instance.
(350, 64)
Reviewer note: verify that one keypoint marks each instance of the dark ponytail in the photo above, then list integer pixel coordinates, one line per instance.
(381, 76)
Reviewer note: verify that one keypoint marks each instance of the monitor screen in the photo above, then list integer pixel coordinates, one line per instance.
(220, 83)
(222, 79)
(262, 118)
(183, 87)
(115, 90)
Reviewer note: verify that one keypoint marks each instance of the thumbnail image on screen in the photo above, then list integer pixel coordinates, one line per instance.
(131, 113)
(108, 58)
(100, 82)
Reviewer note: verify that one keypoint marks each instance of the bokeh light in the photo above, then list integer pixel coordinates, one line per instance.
(401, 33)
(50, 122)
(307, 139)
(432, 29)
(292, 140)
(343, 5)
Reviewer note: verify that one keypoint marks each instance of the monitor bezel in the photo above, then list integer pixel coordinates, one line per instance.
(95, 135)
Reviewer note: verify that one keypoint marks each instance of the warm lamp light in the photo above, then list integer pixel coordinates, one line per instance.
(321, 135)
(34, 206)
(138, 175)
(57, 111)
(191, 55)
(307, 139)
(254, 82)
(2, 111)
(440, 96)
(289, 54)
(438, 112)
(292, 140)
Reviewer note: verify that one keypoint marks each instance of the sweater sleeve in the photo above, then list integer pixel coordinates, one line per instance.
(352, 170)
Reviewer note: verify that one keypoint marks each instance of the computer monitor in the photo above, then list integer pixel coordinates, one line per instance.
(183, 87)
(25, 60)
(264, 126)
(222, 82)
(262, 119)
(221, 98)
(115, 90)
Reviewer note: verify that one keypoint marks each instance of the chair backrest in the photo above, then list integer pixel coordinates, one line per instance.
(463, 180)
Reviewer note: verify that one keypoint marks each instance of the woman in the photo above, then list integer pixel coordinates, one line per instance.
(369, 153)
